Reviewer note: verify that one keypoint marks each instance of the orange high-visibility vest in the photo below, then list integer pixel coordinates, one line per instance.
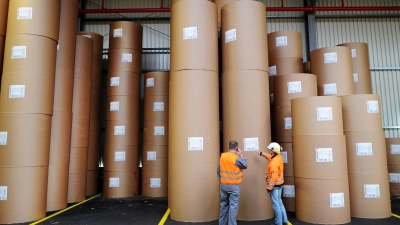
(274, 173)
(229, 172)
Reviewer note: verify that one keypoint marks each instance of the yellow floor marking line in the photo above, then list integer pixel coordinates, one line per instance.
(66, 209)
(162, 221)
(397, 216)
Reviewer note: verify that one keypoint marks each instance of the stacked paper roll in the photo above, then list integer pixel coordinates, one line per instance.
(393, 157)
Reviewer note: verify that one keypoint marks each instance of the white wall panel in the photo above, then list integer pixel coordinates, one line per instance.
(337, 3)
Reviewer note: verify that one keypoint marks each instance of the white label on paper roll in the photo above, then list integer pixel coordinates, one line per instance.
(355, 77)
(195, 143)
(18, 52)
(119, 156)
(336, 200)
(24, 13)
(114, 81)
(324, 155)
(372, 107)
(324, 113)
(117, 32)
(353, 53)
(3, 193)
(3, 138)
(288, 123)
(330, 57)
(17, 91)
(158, 130)
(150, 82)
(189, 33)
(158, 106)
(251, 144)
(372, 191)
(119, 130)
(230, 35)
(284, 155)
(364, 149)
(272, 70)
(151, 155)
(155, 182)
(288, 191)
(271, 97)
(114, 182)
(126, 57)
(281, 41)
(394, 149)
(294, 87)
(87, 35)
(330, 89)
(394, 177)
(114, 106)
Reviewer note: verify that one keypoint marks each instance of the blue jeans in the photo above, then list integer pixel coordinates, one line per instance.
(277, 204)
(229, 204)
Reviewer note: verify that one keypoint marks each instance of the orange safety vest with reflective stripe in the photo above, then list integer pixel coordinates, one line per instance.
(274, 173)
(229, 172)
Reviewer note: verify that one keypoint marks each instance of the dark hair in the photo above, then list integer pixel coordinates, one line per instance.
(233, 144)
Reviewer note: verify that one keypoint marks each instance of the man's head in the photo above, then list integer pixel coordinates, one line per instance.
(233, 145)
(275, 148)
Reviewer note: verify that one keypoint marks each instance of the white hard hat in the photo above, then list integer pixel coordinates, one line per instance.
(275, 147)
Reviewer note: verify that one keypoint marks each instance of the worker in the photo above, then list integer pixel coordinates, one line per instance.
(275, 181)
(230, 174)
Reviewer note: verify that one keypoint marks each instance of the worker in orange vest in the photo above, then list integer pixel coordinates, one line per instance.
(275, 181)
(230, 175)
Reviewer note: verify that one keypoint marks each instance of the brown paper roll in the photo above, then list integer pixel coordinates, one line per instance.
(76, 187)
(63, 90)
(283, 66)
(191, 32)
(331, 61)
(156, 83)
(175, 1)
(126, 35)
(81, 101)
(306, 67)
(80, 135)
(288, 166)
(335, 86)
(123, 83)
(97, 66)
(159, 164)
(249, 37)
(220, 4)
(69, 12)
(122, 108)
(393, 151)
(78, 160)
(57, 187)
(119, 132)
(155, 132)
(362, 113)
(160, 151)
(97, 41)
(60, 145)
(28, 139)
(94, 146)
(26, 191)
(124, 60)
(95, 103)
(313, 203)
(3, 18)
(320, 115)
(155, 183)
(394, 172)
(288, 200)
(44, 19)
(83, 58)
(121, 157)
(2, 44)
(92, 182)
(156, 107)
(285, 44)
(283, 124)
(123, 184)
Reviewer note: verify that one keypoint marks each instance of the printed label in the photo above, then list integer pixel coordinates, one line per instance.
(230, 35)
(364, 149)
(372, 107)
(114, 81)
(353, 53)
(330, 89)
(151, 155)
(3, 193)
(158, 106)
(324, 155)
(330, 57)
(394, 177)
(394, 149)
(271, 97)
(18, 52)
(119, 130)
(288, 191)
(155, 182)
(3, 137)
(24, 13)
(284, 155)
(117, 32)
(17, 91)
(272, 70)
(324, 113)
(355, 77)
(114, 106)
(114, 181)
(87, 35)
(119, 156)
(281, 41)
(189, 33)
(288, 123)
(372, 191)
(195, 143)
(251, 144)
(126, 57)
(150, 82)
(294, 87)
(158, 130)
(336, 200)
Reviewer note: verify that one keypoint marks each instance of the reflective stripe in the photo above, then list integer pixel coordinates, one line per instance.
(227, 172)
(229, 178)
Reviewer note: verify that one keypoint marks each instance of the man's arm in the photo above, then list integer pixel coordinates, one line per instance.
(241, 163)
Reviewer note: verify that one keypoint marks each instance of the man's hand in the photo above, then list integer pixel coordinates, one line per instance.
(239, 152)
(258, 152)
